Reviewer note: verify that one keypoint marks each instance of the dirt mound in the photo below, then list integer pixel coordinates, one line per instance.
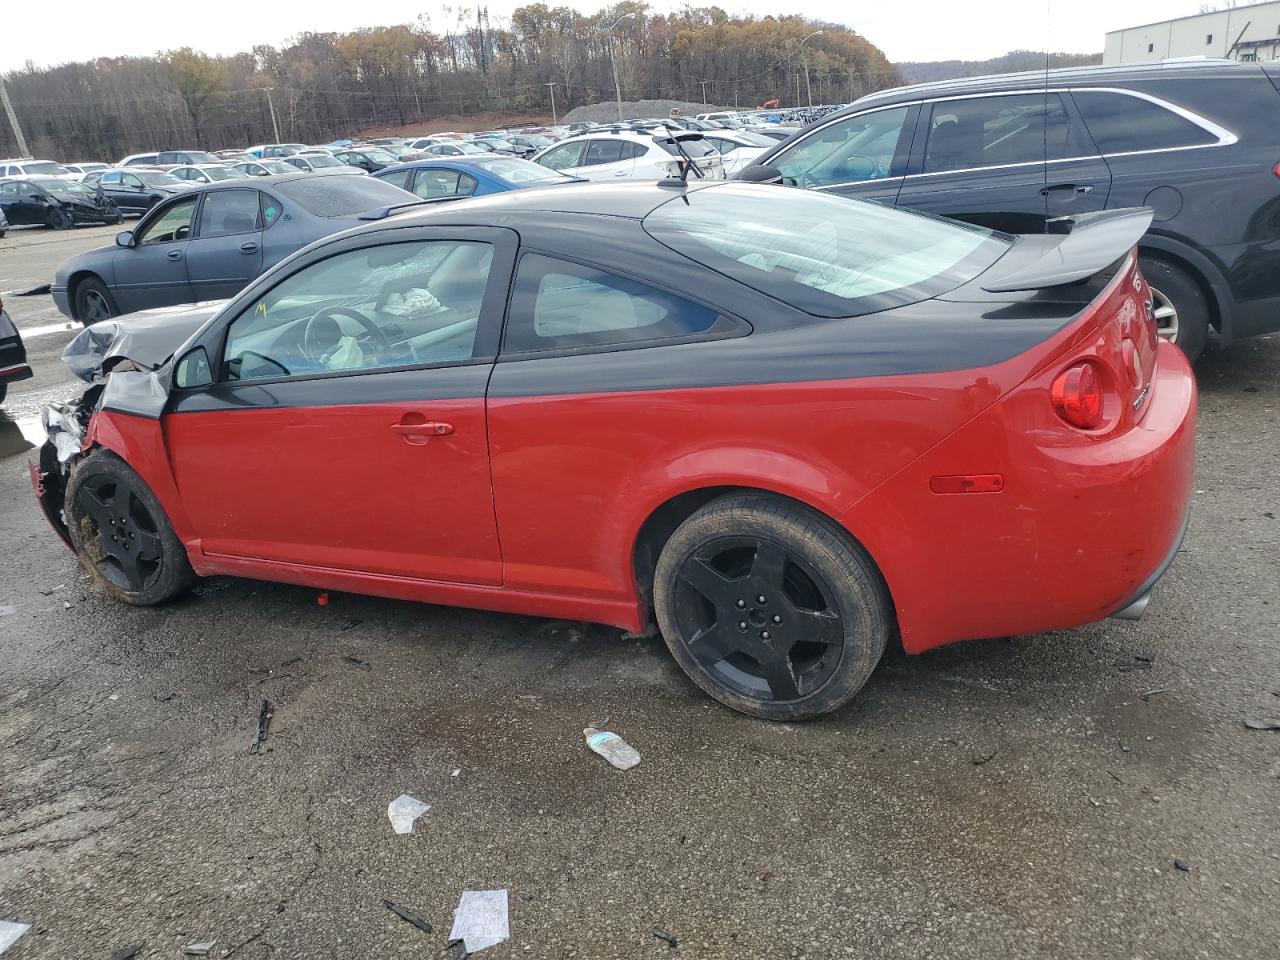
(607, 112)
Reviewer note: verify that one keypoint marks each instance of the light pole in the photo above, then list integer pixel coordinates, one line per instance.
(13, 121)
(816, 33)
(704, 92)
(613, 56)
(552, 87)
(272, 107)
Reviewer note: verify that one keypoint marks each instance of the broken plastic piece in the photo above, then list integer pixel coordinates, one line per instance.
(359, 664)
(1263, 723)
(480, 921)
(457, 950)
(10, 932)
(612, 747)
(1182, 865)
(63, 429)
(264, 721)
(127, 953)
(198, 949)
(407, 915)
(323, 599)
(670, 938)
(403, 810)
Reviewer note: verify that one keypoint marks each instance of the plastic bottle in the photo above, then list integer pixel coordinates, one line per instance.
(612, 747)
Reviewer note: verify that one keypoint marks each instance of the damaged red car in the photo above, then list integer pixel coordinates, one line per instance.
(784, 427)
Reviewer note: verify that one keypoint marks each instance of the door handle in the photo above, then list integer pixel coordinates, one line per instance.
(174, 254)
(248, 247)
(420, 433)
(1079, 189)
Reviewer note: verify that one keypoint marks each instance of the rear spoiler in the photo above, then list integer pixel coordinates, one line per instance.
(1090, 242)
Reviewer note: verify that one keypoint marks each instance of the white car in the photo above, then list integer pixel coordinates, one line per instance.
(27, 168)
(206, 173)
(718, 115)
(631, 155)
(310, 162)
(78, 170)
(737, 147)
(454, 148)
(264, 168)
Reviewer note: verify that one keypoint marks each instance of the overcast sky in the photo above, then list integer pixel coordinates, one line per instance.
(905, 29)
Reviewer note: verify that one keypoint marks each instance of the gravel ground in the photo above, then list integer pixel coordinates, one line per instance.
(1008, 798)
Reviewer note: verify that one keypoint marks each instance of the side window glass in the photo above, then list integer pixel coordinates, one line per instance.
(8, 190)
(853, 149)
(387, 305)
(558, 305)
(173, 224)
(228, 212)
(1120, 123)
(131, 181)
(112, 177)
(562, 157)
(602, 151)
(432, 184)
(632, 151)
(271, 210)
(466, 185)
(399, 179)
(993, 131)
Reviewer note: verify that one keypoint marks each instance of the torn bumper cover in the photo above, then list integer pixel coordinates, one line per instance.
(65, 425)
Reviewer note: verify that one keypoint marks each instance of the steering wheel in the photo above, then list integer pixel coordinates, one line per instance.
(322, 333)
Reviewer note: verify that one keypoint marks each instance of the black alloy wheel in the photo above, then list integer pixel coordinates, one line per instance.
(770, 608)
(59, 219)
(121, 534)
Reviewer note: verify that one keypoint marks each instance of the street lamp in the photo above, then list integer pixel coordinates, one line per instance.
(613, 56)
(809, 89)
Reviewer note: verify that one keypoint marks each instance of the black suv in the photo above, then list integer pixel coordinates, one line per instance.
(1197, 142)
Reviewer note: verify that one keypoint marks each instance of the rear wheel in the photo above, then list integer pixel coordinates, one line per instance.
(769, 608)
(93, 301)
(1181, 311)
(121, 535)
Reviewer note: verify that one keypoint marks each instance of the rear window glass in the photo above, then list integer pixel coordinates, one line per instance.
(695, 148)
(341, 196)
(1120, 123)
(828, 256)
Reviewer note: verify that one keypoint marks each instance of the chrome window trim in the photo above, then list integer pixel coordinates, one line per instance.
(1225, 137)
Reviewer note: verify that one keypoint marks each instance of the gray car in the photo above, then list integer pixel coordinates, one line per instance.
(208, 243)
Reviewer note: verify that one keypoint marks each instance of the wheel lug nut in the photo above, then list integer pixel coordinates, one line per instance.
(742, 603)
(761, 599)
(742, 624)
(764, 634)
(776, 618)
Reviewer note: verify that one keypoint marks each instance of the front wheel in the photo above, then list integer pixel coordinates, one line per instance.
(93, 302)
(121, 534)
(769, 608)
(59, 219)
(1181, 311)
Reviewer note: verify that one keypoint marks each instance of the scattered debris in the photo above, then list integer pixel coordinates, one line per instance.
(1114, 777)
(456, 772)
(403, 810)
(408, 916)
(165, 697)
(114, 696)
(66, 604)
(10, 932)
(323, 599)
(198, 949)
(980, 760)
(1250, 389)
(127, 953)
(52, 590)
(264, 721)
(457, 951)
(1139, 663)
(1182, 865)
(766, 876)
(1269, 515)
(670, 938)
(1263, 723)
(38, 290)
(612, 747)
(359, 664)
(350, 624)
(291, 661)
(480, 921)
(1146, 697)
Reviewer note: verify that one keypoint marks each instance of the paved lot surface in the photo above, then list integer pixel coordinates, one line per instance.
(996, 799)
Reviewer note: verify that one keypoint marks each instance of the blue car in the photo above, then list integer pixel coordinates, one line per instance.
(448, 178)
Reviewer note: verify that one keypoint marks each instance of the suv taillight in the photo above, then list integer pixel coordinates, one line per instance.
(1078, 396)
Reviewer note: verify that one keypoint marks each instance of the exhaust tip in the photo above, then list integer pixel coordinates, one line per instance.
(1135, 610)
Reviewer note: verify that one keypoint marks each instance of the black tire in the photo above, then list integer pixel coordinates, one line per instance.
(94, 302)
(59, 220)
(771, 608)
(121, 534)
(4, 389)
(1175, 290)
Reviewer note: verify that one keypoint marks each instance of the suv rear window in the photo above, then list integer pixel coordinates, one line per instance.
(1120, 123)
(828, 256)
(341, 196)
(695, 148)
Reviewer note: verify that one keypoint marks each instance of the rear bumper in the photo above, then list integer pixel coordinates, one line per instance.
(1082, 529)
(13, 355)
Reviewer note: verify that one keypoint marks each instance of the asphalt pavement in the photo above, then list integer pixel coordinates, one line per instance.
(1008, 798)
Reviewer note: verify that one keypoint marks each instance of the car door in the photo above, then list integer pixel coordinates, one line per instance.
(606, 158)
(346, 428)
(983, 160)
(152, 272)
(225, 251)
(133, 193)
(564, 157)
(15, 203)
(863, 155)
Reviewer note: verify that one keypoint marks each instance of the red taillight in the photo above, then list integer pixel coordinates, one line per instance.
(1276, 169)
(1077, 396)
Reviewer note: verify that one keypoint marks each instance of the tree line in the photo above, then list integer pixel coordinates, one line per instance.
(325, 85)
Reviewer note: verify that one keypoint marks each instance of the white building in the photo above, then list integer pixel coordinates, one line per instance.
(1244, 33)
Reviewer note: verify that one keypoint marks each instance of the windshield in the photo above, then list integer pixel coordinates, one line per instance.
(45, 166)
(199, 156)
(278, 166)
(339, 196)
(377, 153)
(514, 170)
(828, 256)
(538, 140)
(317, 160)
(64, 186)
(155, 179)
(223, 173)
(470, 148)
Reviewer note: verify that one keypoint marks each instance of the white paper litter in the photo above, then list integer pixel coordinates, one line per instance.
(480, 921)
(10, 932)
(198, 949)
(403, 810)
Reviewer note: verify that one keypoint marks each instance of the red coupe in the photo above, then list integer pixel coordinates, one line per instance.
(784, 425)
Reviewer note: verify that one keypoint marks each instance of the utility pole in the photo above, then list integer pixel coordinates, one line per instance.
(797, 88)
(552, 87)
(613, 55)
(704, 92)
(272, 107)
(807, 87)
(13, 120)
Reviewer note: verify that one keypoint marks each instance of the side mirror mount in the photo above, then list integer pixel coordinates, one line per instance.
(124, 238)
(761, 173)
(193, 370)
